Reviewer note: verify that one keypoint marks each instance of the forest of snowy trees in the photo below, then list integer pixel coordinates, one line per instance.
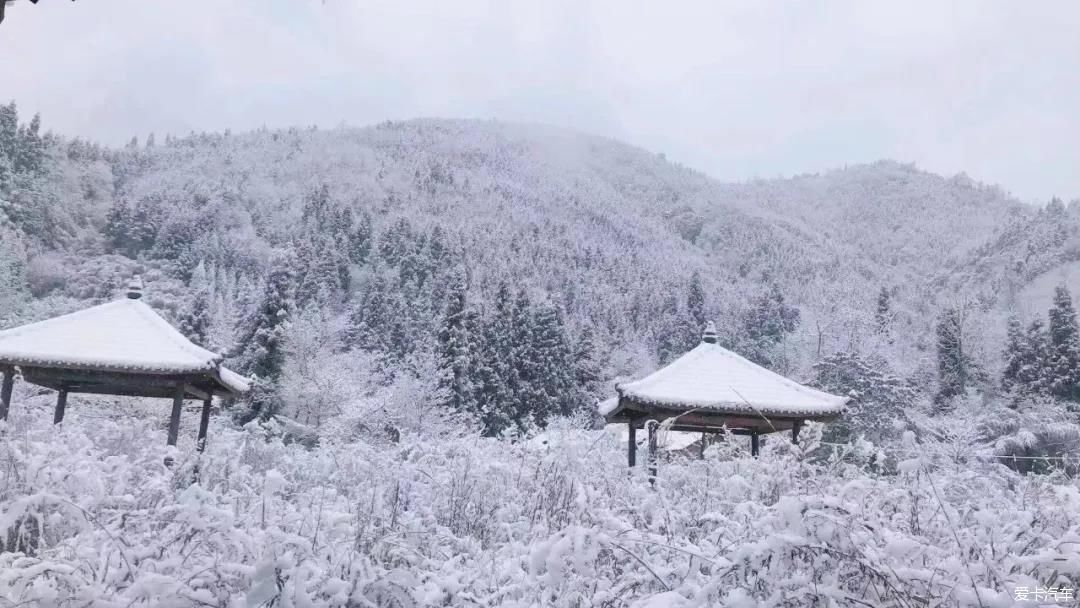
(430, 311)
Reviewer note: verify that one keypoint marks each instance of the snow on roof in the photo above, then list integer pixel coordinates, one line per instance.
(608, 405)
(120, 336)
(233, 381)
(711, 377)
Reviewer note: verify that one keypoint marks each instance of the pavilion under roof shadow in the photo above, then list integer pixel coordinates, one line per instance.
(713, 390)
(121, 348)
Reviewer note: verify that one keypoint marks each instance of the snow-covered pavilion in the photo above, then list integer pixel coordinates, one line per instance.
(121, 347)
(713, 390)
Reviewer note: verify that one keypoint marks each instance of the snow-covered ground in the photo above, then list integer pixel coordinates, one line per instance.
(487, 522)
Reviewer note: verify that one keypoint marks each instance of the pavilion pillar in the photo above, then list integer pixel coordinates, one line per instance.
(631, 444)
(701, 448)
(174, 419)
(795, 431)
(755, 445)
(5, 391)
(652, 426)
(61, 405)
(204, 421)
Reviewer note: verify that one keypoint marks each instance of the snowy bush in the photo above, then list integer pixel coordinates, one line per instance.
(465, 521)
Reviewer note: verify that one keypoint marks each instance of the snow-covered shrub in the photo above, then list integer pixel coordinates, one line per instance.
(469, 521)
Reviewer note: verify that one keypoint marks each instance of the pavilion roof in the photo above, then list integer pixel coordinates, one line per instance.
(120, 336)
(712, 379)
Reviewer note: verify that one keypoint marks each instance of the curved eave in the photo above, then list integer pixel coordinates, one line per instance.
(233, 382)
(631, 406)
(107, 366)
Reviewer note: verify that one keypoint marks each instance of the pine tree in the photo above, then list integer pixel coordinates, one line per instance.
(522, 356)
(766, 326)
(1014, 354)
(265, 333)
(1034, 373)
(878, 396)
(496, 373)
(677, 333)
(371, 317)
(883, 312)
(319, 269)
(195, 323)
(587, 367)
(956, 370)
(264, 340)
(116, 225)
(695, 301)
(359, 238)
(456, 356)
(552, 384)
(1064, 361)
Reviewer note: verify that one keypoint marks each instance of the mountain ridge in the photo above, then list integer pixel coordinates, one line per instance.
(582, 216)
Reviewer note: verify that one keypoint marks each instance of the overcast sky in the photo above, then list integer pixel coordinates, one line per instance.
(736, 89)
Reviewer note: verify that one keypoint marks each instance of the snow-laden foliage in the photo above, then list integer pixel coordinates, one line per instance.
(91, 517)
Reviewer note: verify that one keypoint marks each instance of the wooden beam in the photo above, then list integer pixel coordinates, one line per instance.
(630, 409)
(204, 422)
(754, 445)
(652, 426)
(61, 405)
(118, 383)
(197, 392)
(795, 432)
(5, 391)
(174, 419)
(709, 430)
(631, 445)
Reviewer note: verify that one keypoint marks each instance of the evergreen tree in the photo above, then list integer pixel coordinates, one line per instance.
(456, 354)
(677, 332)
(371, 317)
(883, 312)
(766, 326)
(587, 367)
(1034, 373)
(878, 396)
(695, 301)
(1027, 356)
(1064, 361)
(9, 132)
(195, 323)
(319, 269)
(266, 328)
(1014, 354)
(552, 386)
(496, 374)
(359, 238)
(116, 225)
(264, 340)
(956, 369)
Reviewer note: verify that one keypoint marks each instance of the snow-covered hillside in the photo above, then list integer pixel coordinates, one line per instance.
(430, 311)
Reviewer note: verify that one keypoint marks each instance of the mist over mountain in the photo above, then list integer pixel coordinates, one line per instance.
(609, 232)
(429, 312)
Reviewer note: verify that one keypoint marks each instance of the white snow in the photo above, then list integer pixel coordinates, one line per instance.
(666, 440)
(712, 377)
(124, 335)
(608, 405)
(233, 380)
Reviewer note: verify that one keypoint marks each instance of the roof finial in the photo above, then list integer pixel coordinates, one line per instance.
(135, 288)
(709, 335)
